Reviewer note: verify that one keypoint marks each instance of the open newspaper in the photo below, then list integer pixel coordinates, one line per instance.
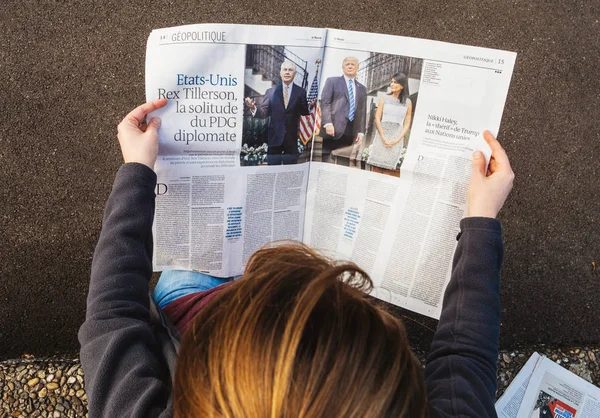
(357, 144)
(543, 389)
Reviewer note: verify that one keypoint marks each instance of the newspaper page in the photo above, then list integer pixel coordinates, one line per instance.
(553, 391)
(509, 403)
(232, 166)
(399, 121)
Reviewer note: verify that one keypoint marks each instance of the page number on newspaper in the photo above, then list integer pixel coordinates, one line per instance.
(500, 60)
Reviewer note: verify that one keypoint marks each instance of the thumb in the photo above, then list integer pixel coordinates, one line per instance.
(478, 164)
(153, 125)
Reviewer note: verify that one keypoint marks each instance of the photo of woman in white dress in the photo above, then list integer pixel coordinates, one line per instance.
(392, 123)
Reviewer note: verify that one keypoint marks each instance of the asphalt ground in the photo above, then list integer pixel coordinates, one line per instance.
(70, 70)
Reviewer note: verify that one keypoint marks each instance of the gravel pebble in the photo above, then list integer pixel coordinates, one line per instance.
(33, 382)
(54, 388)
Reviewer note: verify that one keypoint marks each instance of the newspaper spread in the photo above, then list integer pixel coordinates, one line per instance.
(544, 389)
(355, 143)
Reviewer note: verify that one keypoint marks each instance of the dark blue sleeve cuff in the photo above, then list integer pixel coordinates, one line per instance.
(136, 171)
(479, 223)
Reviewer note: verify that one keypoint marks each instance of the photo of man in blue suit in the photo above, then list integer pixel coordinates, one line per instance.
(343, 109)
(285, 104)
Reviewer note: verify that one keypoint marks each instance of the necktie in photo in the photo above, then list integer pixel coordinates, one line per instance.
(351, 96)
(286, 96)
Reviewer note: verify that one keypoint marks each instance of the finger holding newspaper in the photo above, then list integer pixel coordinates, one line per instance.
(488, 190)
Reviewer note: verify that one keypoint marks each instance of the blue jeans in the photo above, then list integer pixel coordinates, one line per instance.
(174, 284)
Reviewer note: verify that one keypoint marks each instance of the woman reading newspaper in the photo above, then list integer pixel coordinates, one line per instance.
(296, 336)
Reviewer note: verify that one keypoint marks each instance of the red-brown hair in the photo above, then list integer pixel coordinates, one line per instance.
(297, 336)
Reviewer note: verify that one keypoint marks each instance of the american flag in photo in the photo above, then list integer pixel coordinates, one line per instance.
(313, 119)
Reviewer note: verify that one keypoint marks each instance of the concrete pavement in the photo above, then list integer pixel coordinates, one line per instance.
(70, 70)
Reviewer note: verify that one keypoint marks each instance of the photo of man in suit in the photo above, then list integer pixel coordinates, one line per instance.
(343, 109)
(284, 103)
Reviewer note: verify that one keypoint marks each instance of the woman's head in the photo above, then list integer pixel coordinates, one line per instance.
(297, 337)
(399, 83)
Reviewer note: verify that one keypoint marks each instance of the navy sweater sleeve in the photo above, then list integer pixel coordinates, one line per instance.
(461, 367)
(125, 375)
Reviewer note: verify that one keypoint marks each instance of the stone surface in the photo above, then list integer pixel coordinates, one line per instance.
(70, 401)
(70, 71)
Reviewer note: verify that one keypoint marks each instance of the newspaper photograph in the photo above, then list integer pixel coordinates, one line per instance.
(278, 119)
(366, 104)
(357, 144)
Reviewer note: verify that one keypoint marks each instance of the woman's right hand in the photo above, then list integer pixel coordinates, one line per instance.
(138, 139)
(488, 190)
